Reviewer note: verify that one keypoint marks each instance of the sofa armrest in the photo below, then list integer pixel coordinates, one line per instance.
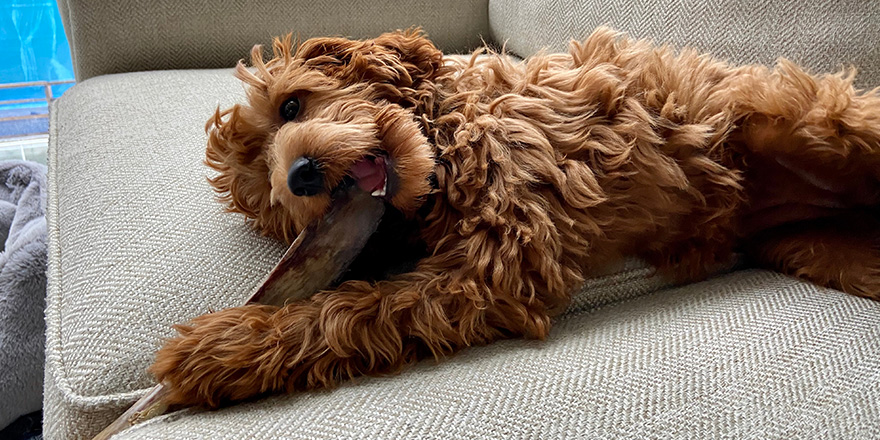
(108, 36)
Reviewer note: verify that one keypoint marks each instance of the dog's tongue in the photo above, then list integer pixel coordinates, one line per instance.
(370, 174)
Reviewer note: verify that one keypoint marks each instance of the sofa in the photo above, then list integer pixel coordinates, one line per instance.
(138, 242)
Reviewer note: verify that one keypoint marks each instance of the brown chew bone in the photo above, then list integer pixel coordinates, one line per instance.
(322, 252)
(319, 255)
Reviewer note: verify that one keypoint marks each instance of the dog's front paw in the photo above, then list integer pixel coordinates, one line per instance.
(231, 355)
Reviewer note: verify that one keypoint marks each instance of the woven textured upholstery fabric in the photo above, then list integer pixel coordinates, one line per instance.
(823, 35)
(109, 36)
(138, 243)
(748, 355)
(137, 239)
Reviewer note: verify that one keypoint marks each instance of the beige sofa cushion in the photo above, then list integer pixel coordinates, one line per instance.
(139, 243)
(822, 35)
(112, 36)
(748, 355)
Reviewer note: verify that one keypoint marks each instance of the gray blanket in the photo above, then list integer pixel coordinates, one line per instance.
(22, 287)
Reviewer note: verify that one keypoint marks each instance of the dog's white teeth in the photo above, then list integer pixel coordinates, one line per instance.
(381, 192)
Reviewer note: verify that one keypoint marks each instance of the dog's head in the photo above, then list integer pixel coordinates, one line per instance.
(331, 113)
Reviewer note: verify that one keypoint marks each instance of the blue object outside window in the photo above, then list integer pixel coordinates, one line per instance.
(35, 65)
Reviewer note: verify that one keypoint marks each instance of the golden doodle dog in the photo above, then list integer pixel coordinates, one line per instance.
(511, 182)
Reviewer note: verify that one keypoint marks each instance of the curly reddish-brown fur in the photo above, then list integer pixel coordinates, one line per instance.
(544, 172)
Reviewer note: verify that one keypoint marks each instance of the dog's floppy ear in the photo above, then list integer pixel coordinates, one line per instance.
(236, 151)
(401, 59)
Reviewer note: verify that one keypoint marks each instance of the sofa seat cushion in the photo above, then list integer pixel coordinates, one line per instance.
(750, 354)
(138, 241)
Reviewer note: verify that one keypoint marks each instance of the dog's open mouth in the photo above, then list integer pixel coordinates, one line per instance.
(375, 175)
(384, 243)
(393, 246)
(371, 175)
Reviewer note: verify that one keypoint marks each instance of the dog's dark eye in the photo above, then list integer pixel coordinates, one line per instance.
(290, 108)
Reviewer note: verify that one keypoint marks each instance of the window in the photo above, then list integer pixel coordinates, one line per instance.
(35, 68)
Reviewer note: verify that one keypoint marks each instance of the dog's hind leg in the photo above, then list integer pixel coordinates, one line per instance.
(809, 139)
(841, 252)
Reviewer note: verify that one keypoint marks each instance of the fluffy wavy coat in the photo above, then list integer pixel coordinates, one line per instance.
(524, 178)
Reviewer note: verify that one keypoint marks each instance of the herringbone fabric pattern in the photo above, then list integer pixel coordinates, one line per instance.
(823, 35)
(748, 355)
(123, 36)
(137, 243)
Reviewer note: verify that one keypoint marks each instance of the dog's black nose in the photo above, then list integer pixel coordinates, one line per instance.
(305, 177)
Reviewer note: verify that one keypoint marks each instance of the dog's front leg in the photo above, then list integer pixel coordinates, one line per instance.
(359, 329)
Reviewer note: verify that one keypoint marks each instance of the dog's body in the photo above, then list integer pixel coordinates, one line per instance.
(518, 180)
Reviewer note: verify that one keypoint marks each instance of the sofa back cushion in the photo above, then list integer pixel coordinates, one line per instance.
(823, 36)
(128, 35)
(112, 36)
